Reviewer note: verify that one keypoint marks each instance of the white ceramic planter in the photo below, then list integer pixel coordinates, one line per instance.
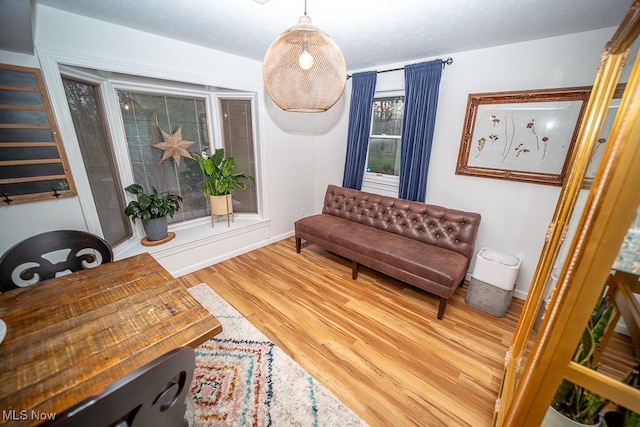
(554, 418)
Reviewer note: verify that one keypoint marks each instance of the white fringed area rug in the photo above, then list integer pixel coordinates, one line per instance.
(243, 379)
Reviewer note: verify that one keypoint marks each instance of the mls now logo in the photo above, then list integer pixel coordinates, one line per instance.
(24, 415)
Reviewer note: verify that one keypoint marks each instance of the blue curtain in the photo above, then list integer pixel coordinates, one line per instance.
(422, 84)
(363, 87)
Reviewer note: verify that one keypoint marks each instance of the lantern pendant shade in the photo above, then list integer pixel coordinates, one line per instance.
(304, 70)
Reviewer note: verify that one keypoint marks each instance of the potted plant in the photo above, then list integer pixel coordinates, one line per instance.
(220, 180)
(572, 401)
(621, 416)
(152, 208)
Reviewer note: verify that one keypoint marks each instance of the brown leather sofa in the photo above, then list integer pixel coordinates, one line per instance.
(424, 245)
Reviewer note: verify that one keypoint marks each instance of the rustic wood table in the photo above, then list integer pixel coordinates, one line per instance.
(69, 337)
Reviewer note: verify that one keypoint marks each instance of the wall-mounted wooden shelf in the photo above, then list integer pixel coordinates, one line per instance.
(33, 164)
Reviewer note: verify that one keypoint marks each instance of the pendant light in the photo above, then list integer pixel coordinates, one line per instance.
(303, 69)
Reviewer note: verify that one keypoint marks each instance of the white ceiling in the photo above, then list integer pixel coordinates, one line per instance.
(369, 32)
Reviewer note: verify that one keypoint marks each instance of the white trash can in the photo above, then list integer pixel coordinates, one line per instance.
(492, 281)
(555, 274)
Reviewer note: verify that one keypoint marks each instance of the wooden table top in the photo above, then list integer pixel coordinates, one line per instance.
(70, 337)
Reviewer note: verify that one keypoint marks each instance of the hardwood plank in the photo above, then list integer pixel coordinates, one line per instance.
(374, 342)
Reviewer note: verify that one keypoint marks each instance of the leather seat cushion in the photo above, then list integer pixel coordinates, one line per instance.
(431, 262)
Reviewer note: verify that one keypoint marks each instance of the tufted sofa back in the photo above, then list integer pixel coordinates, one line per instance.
(448, 228)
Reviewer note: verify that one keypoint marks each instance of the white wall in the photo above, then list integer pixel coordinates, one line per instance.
(20, 221)
(61, 37)
(515, 215)
(297, 168)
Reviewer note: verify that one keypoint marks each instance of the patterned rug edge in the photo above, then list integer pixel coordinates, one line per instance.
(243, 379)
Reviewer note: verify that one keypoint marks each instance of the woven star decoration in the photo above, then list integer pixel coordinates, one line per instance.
(174, 146)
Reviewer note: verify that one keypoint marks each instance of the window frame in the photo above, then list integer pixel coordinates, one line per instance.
(218, 97)
(384, 182)
(108, 136)
(109, 87)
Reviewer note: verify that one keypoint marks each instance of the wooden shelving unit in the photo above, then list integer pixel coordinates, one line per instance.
(33, 164)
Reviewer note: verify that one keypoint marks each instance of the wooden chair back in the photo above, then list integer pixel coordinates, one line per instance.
(45, 255)
(154, 395)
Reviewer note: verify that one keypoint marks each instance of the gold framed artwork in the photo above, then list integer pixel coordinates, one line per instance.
(522, 135)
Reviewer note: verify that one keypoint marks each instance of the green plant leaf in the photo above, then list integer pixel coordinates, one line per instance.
(135, 189)
(576, 402)
(220, 179)
(151, 205)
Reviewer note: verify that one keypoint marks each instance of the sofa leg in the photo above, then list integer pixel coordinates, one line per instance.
(441, 307)
(298, 244)
(354, 270)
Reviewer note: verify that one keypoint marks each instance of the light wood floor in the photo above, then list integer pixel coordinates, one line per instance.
(374, 342)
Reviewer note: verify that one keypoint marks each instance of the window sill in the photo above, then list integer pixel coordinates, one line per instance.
(193, 235)
(377, 184)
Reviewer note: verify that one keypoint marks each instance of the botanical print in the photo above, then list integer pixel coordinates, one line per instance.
(529, 137)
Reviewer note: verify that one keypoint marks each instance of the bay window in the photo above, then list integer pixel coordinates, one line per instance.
(140, 114)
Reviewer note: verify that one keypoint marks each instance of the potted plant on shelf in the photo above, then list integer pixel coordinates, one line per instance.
(220, 180)
(152, 208)
(621, 416)
(573, 403)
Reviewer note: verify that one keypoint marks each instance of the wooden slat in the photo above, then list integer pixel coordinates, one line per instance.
(20, 88)
(29, 162)
(31, 179)
(21, 107)
(624, 395)
(30, 144)
(22, 126)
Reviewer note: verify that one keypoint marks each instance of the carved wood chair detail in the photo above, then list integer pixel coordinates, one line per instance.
(50, 254)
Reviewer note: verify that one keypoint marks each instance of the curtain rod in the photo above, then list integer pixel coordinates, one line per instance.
(446, 62)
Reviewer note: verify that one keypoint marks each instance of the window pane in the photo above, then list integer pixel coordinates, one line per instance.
(384, 156)
(387, 116)
(97, 157)
(238, 143)
(145, 116)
